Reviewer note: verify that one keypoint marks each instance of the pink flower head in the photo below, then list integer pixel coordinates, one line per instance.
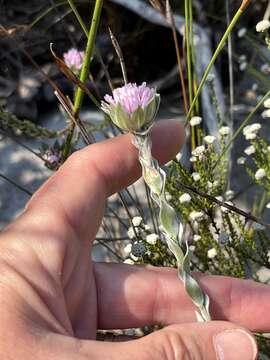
(131, 96)
(74, 59)
(132, 106)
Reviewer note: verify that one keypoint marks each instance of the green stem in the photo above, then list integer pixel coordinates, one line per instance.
(241, 127)
(189, 61)
(216, 53)
(88, 54)
(155, 178)
(91, 36)
(78, 17)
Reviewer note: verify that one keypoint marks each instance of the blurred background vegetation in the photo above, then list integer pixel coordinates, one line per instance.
(148, 49)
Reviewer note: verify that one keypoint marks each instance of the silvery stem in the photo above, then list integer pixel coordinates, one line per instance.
(172, 227)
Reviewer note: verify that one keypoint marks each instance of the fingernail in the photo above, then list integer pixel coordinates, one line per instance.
(234, 345)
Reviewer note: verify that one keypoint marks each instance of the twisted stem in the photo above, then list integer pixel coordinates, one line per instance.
(172, 227)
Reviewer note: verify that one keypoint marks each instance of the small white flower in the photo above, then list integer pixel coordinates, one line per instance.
(211, 77)
(250, 150)
(131, 233)
(241, 160)
(179, 156)
(146, 227)
(219, 198)
(229, 194)
(198, 151)
(242, 58)
(266, 114)
(209, 185)
(195, 120)
(196, 237)
(169, 163)
(263, 25)
(265, 68)
(251, 136)
(161, 228)
(193, 159)
(209, 139)
(242, 32)
(196, 215)
(152, 239)
(250, 131)
(192, 248)
(136, 221)
(129, 262)
(260, 174)
(268, 148)
(127, 248)
(254, 128)
(266, 104)
(224, 130)
(212, 253)
(168, 196)
(133, 257)
(243, 66)
(254, 87)
(268, 206)
(185, 198)
(196, 176)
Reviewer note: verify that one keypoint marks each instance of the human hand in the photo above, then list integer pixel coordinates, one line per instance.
(53, 298)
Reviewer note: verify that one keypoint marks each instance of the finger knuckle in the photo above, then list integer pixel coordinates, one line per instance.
(179, 347)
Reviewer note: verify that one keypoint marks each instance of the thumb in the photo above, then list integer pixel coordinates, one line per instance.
(197, 341)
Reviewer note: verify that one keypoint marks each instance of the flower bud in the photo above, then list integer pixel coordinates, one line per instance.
(74, 59)
(132, 107)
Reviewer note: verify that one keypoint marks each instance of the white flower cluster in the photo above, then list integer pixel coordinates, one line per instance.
(137, 220)
(266, 113)
(196, 176)
(250, 131)
(242, 32)
(196, 237)
(209, 139)
(195, 120)
(198, 151)
(250, 150)
(241, 160)
(152, 239)
(196, 216)
(260, 174)
(242, 62)
(184, 198)
(229, 194)
(263, 26)
(224, 131)
(212, 253)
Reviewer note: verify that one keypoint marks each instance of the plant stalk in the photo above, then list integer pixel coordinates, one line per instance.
(216, 53)
(86, 64)
(172, 227)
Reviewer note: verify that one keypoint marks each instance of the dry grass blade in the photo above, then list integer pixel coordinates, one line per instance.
(13, 30)
(120, 55)
(157, 5)
(244, 4)
(223, 204)
(169, 14)
(68, 107)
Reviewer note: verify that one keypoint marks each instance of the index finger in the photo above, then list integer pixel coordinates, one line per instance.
(80, 188)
